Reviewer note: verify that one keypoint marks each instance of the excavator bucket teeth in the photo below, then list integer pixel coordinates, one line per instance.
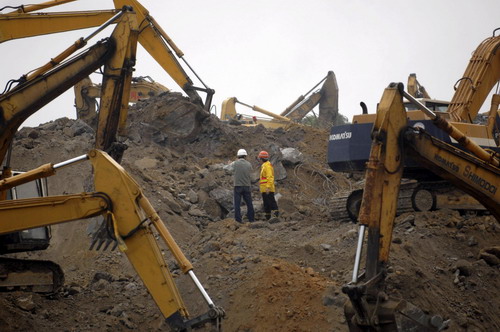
(329, 102)
(102, 237)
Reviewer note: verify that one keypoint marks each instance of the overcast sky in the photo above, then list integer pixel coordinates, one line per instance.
(269, 52)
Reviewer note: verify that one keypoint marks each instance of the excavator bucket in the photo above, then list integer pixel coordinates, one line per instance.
(228, 111)
(392, 315)
(102, 238)
(229, 114)
(326, 97)
(329, 102)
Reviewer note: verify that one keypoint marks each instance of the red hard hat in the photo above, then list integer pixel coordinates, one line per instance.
(263, 155)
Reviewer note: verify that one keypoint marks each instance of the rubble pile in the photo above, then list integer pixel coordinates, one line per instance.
(284, 276)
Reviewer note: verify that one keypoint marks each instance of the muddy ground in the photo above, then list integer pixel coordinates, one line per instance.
(285, 276)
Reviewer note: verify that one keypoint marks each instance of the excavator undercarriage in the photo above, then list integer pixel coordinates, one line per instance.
(414, 196)
(39, 276)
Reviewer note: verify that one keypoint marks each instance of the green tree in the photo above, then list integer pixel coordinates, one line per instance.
(312, 120)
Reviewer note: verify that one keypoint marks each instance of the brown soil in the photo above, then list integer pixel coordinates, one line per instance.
(285, 276)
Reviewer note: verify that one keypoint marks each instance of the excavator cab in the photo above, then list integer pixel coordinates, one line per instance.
(29, 239)
(438, 106)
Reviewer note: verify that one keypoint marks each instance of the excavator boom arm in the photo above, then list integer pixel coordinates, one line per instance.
(482, 73)
(151, 36)
(117, 54)
(48, 4)
(45, 211)
(469, 173)
(25, 99)
(156, 44)
(326, 97)
(415, 88)
(22, 25)
(116, 82)
(383, 177)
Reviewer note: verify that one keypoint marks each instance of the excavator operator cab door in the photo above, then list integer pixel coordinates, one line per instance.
(29, 239)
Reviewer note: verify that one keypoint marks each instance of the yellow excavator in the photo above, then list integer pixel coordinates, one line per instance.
(87, 92)
(470, 167)
(416, 89)
(27, 21)
(349, 145)
(129, 218)
(326, 97)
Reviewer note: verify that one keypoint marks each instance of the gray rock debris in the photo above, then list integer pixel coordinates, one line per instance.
(224, 197)
(192, 196)
(291, 157)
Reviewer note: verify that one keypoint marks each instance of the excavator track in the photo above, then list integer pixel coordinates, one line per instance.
(346, 207)
(413, 196)
(30, 275)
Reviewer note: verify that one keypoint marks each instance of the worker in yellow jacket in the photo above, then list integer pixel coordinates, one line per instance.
(267, 188)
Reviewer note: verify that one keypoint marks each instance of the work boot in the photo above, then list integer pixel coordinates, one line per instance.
(274, 220)
(275, 217)
(268, 216)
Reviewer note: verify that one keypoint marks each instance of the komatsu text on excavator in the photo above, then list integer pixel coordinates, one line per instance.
(130, 220)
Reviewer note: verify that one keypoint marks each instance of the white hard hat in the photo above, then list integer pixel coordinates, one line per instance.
(241, 153)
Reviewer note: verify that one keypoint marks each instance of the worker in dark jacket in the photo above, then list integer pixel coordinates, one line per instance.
(242, 186)
(267, 188)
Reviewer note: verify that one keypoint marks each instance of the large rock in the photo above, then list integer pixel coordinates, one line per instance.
(291, 157)
(210, 205)
(224, 197)
(170, 116)
(275, 159)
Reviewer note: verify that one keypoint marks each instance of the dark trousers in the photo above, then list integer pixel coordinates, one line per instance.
(246, 194)
(269, 204)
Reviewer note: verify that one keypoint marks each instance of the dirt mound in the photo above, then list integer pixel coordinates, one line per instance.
(285, 276)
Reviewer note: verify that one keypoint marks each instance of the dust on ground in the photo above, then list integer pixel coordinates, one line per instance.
(285, 276)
